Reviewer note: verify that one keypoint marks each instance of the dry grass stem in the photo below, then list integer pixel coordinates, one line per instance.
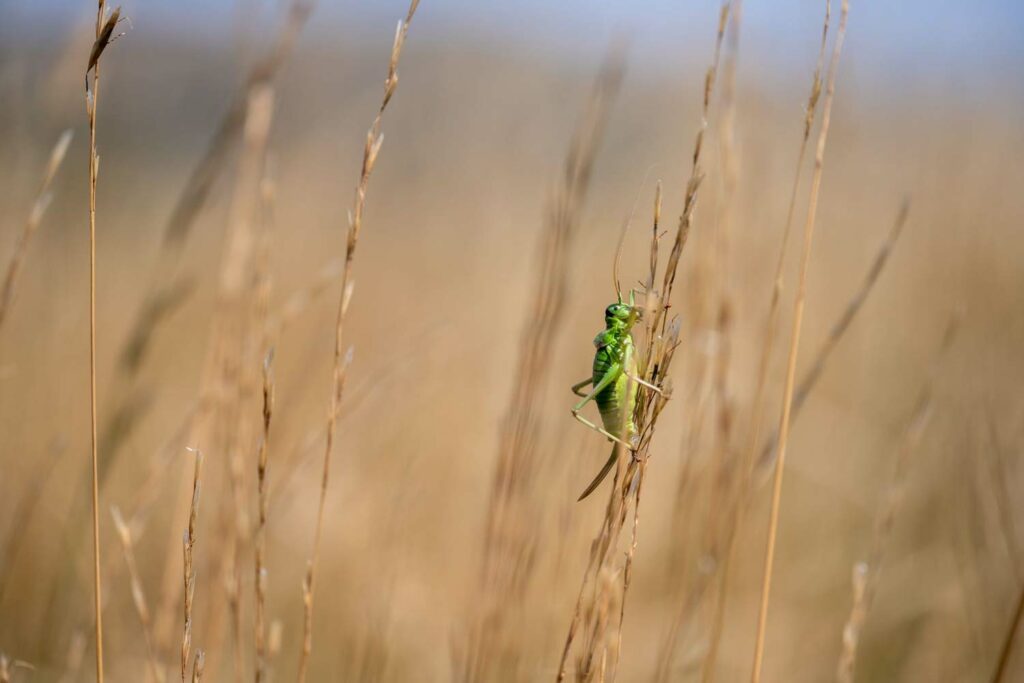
(787, 399)
(431, 489)
(35, 217)
(910, 441)
(198, 665)
(735, 514)
(771, 322)
(104, 35)
(309, 448)
(9, 666)
(188, 546)
(661, 341)
(245, 287)
(512, 516)
(724, 474)
(24, 512)
(124, 534)
(262, 74)
(228, 383)
(851, 632)
(261, 528)
(374, 139)
(627, 572)
(866, 575)
(659, 314)
(147, 494)
(1001, 478)
(302, 299)
(1006, 648)
(838, 331)
(168, 288)
(749, 478)
(75, 657)
(741, 498)
(657, 350)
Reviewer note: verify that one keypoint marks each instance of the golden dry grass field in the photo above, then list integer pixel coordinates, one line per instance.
(452, 545)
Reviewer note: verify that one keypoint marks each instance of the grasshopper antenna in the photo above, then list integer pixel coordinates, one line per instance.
(618, 259)
(622, 234)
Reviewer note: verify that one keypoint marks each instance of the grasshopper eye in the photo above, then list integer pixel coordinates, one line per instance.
(618, 311)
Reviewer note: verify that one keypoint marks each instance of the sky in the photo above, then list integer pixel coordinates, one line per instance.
(934, 40)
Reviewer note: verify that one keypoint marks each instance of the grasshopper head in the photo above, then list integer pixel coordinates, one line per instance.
(620, 314)
(623, 314)
(618, 311)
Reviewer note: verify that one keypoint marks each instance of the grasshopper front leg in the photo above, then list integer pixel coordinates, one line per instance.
(628, 362)
(647, 384)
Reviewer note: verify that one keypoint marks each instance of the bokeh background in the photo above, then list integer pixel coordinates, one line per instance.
(929, 106)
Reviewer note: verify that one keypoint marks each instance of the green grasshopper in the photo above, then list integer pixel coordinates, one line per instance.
(615, 384)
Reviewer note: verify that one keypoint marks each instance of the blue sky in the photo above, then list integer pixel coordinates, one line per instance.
(943, 40)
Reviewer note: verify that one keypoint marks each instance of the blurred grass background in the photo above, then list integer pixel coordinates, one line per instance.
(474, 143)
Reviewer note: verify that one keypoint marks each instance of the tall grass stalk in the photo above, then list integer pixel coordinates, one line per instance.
(261, 528)
(342, 359)
(513, 517)
(724, 474)
(228, 382)
(736, 514)
(718, 618)
(593, 613)
(794, 345)
(836, 333)
(754, 465)
(627, 570)
(104, 35)
(188, 550)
